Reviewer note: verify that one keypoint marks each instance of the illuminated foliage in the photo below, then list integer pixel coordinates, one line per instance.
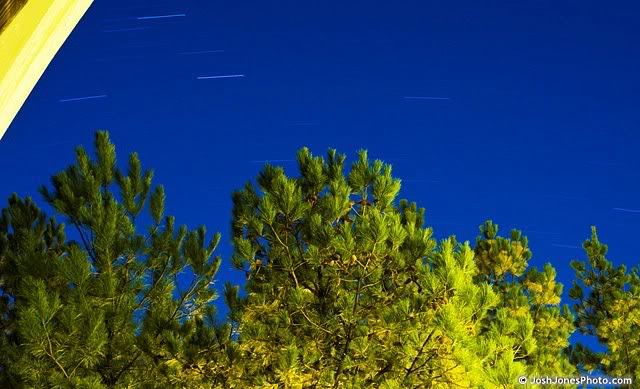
(347, 288)
(528, 332)
(608, 309)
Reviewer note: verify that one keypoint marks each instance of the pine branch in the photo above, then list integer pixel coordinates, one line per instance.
(292, 272)
(418, 354)
(51, 354)
(154, 285)
(312, 323)
(87, 247)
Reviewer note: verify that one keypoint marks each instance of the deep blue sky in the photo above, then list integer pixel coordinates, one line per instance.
(539, 131)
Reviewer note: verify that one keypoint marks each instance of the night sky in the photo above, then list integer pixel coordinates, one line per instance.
(521, 112)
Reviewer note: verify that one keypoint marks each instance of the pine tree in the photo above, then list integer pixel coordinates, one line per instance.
(608, 309)
(527, 333)
(104, 310)
(348, 288)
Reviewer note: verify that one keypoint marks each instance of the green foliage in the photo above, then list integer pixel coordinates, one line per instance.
(103, 310)
(346, 287)
(528, 332)
(608, 308)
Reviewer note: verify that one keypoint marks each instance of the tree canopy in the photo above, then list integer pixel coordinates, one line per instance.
(346, 287)
(607, 304)
(103, 309)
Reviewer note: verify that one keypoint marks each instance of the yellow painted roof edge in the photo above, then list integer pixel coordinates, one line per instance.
(27, 46)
